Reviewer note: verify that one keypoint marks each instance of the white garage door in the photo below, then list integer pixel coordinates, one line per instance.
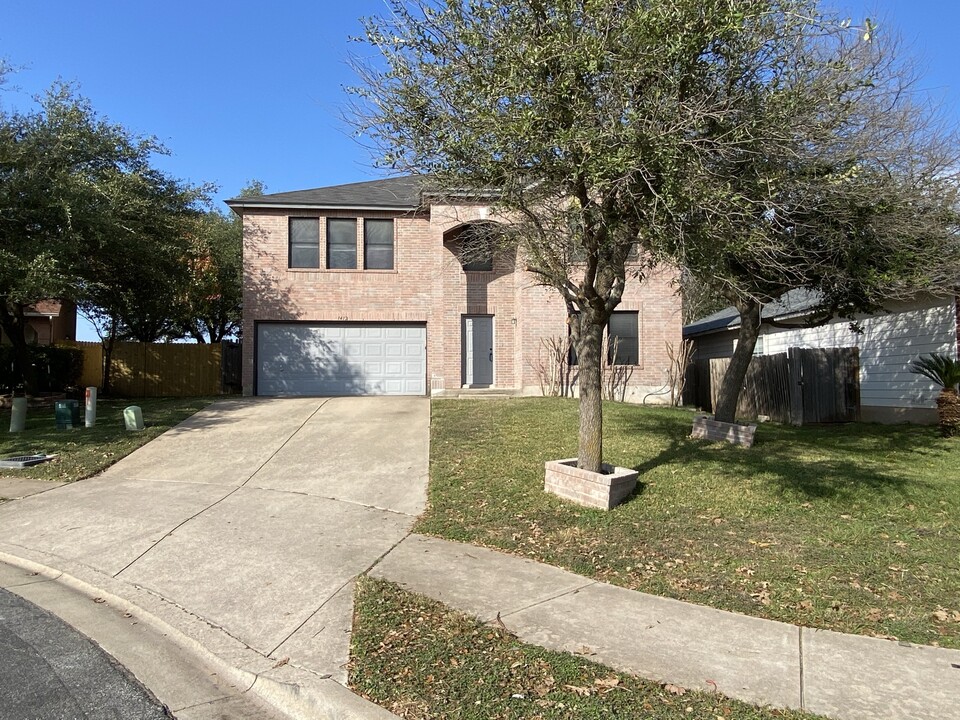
(313, 359)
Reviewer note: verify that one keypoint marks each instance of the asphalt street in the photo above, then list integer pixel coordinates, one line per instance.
(49, 671)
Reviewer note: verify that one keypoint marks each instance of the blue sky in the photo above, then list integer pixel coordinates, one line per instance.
(247, 90)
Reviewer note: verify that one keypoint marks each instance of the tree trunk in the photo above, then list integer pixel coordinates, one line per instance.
(729, 394)
(12, 322)
(948, 411)
(589, 347)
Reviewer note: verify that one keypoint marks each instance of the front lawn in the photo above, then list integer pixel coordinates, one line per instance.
(421, 660)
(83, 452)
(855, 528)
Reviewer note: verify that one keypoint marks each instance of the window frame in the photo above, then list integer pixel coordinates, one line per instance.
(611, 361)
(621, 353)
(330, 245)
(291, 243)
(367, 244)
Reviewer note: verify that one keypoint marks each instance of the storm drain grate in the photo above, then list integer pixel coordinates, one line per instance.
(22, 461)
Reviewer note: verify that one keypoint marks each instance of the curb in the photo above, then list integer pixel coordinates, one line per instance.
(294, 692)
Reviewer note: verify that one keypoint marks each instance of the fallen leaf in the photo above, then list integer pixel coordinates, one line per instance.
(281, 662)
(674, 689)
(610, 682)
(99, 600)
(582, 691)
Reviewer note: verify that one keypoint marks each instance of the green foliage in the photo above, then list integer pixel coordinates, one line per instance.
(65, 175)
(762, 145)
(572, 117)
(57, 367)
(941, 369)
(86, 217)
(210, 307)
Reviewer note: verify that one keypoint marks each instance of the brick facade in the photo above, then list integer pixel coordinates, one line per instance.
(428, 285)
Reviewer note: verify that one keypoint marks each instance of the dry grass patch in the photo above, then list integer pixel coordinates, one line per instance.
(421, 660)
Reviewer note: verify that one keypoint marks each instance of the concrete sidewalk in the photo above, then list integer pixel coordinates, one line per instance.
(240, 533)
(237, 536)
(764, 662)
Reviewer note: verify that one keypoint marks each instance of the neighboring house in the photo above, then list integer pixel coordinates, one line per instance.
(48, 322)
(360, 289)
(888, 342)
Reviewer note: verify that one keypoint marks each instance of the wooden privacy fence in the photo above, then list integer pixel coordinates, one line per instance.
(800, 386)
(156, 369)
(766, 389)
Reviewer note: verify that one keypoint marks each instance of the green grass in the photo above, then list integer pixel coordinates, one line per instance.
(83, 452)
(855, 528)
(419, 659)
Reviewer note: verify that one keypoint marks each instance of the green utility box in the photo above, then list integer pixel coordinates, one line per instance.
(67, 414)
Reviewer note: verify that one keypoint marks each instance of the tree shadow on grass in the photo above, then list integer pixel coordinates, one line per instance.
(826, 462)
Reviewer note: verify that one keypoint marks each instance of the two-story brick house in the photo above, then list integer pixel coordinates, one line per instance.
(363, 289)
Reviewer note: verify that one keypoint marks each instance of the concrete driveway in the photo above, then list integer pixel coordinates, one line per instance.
(254, 515)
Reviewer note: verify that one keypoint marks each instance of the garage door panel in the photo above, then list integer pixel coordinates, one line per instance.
(314, 359)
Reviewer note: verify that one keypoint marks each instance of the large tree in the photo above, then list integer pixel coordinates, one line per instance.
(833, 174)
(61, 168)
(570, 116)
(211, 308)
(85, 216)
(761, 145)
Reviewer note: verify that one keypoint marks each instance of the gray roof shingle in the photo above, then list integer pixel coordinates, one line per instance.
(795, 302)
(399, 193)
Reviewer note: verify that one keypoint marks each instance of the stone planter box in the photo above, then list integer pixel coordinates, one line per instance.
(706, 428)
(599, 490)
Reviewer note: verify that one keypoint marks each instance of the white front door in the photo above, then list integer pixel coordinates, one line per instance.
(477, 351)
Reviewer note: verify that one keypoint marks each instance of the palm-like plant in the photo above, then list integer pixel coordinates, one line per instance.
(945, 372)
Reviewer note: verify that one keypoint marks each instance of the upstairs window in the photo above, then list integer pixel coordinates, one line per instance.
(341, 244)
(476, 247)
(304, 249)
(482, 264)
(378, 244)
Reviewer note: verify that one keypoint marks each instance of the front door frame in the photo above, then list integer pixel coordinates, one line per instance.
(468, 368)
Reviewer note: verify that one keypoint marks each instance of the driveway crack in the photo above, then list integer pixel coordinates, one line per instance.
(217, 502)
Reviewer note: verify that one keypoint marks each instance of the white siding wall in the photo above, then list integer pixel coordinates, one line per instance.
(887, 345)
